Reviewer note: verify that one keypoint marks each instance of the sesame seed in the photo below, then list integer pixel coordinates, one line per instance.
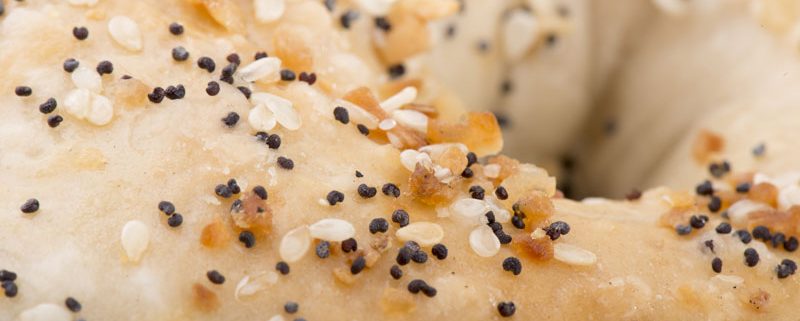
(556, 229)
(513, 265)
(716, 265)
(309, 78)
(744, 236)
(477, 192)
(762, 233)
(743, 188)
(683, 229)
(335, 197)
(80, 33)
(282, 267)
(349, 245)
(347, 18)
(790, 244)
(48, 106)
(467, 173)
(175, 92)
(291, 307)
(715, 204)
(259, 55)
(285, 163)
(341, 114)
(396, 272)
(212, 89)
(207, 64)
(367, 191)
(506, 309)
(166, 207)
(288, 75)
(705, 188)
(30, 206)
(439, 251)
(23, 91)
(179, 53)
(231, 119)
(234, 58)
(396, 71)
(72, 304)
(378, 225)
(273, 141)
(6, 275)
(176, 28)
(245, 91)
(54, 121)
(323, 249)
(223, 190)
(247, 238)
(390, 189)
(751, 257)
(383, 24)
(358, 265)
(70, 65)
(10, 288)
(175, 220)
(400, 217)
(261, 192)
(723, 228)
(105, 67)
(215, 277)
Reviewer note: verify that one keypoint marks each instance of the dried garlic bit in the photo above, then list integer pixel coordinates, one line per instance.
(381, 242)
(520, 33)
(253, 215)
(125, 32)
(739, 211)
(295, 244)
(364, 98)
(128, 93)
(277, 317)
(343, 275)
(675, 216)
(225, 12)
(508, 166)
(268, 10)
(135, 238)
(573, 255)
(483, 241)
(397, 301)
(427, 188)
(706, 144)
(786, 222)
(251, 285)
(765, 193)
(479, 131)
(538, 249)
(371, 257)
(453, 158)
(215, 234)
(45, 312)
(204, 299)
(679, 199)
(430, 9)
(403, 137)
(528, 179)
(535, 208)
(424, 233)
(332, 229)
(409, 36)
(294, 45)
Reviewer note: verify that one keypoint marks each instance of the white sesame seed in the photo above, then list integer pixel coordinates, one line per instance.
(134, 238)
(276, 317)
(295, 244)
(435, 150)
(285, 114)
(469, 210)
(268, 10)
(672, 7)
(412, 119)
(87, 78)
(84, 3)
(573, 255)
(262, 69)
(261, 118)
(357, 114)
(788, 196)
(100, 111)
(520, 32)
(491, 170)
(424, 233)
(77, 103)
(483, 241)
(332, 229)
(394, 140)
(125, 32)
(250, 285)
(500, 213)
(442, 173)
(46, 312)
(405, 96)
(375, 7)
(409, 158)
(387, 124)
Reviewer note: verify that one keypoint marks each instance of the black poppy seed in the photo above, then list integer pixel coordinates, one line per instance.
(309, 78)
(556, 229)
(359, 174)
(180, 53)
(300, 319)
(23, 91)
(396, 272)
(126, 77)
(413, 246)
(750, 257)
(495, 226)
(472, 158)
(490, 218)
(416, 285)
(367, 191)
(383, 24)
(378, 225)
(72, 304)
(419, 257)
(229, 70)
(633, 195)
(404, 256)
(785, 269)
(723, 228)
(759, 150)
(396, 71)
(363, 129)
(291, 307)
(790, 244)
(340, 113)
(477, 192)
(6, 275)
(501, 193)
(743, 188)
(273, 141)
(157, 96)
(335, 197)
(716, 265)
(696, 222)
(429, 291)
(176, 28)
(400, 217)
(503, 237)
(761, 232)
(506, 309)
(105, 67)
(247, 238)
(30, 206)
(70, 65)
(54, 121)
(212, 89)
(390, 189)
(10, 288)
(518, 222)
(349, 245)
(260, 54)
(231, 119)
(347, 18)
(439, 251)
(450, 31)
(175, 92)
(2, 8)
(245, 91)
(207, 64)
(682, 229)
(288, 75)
(166, 207)
(323, 249)
(175, 220)
(234, 59)
(226, 79)
(80, 33)
(778, 239)
(282, 267)
(483, 46)
(261, 192)
(330, 4)
(744, 236)
(709, 244)
(358, 265)
(237, 206)
(48, 106)
(467, 173)
(215, 277)
(285, 163)
(705, 188)
(715, 204)
(223, 190)
(513, 265)
(791, 264)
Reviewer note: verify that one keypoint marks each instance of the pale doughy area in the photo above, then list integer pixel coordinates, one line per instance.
(358, 141)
